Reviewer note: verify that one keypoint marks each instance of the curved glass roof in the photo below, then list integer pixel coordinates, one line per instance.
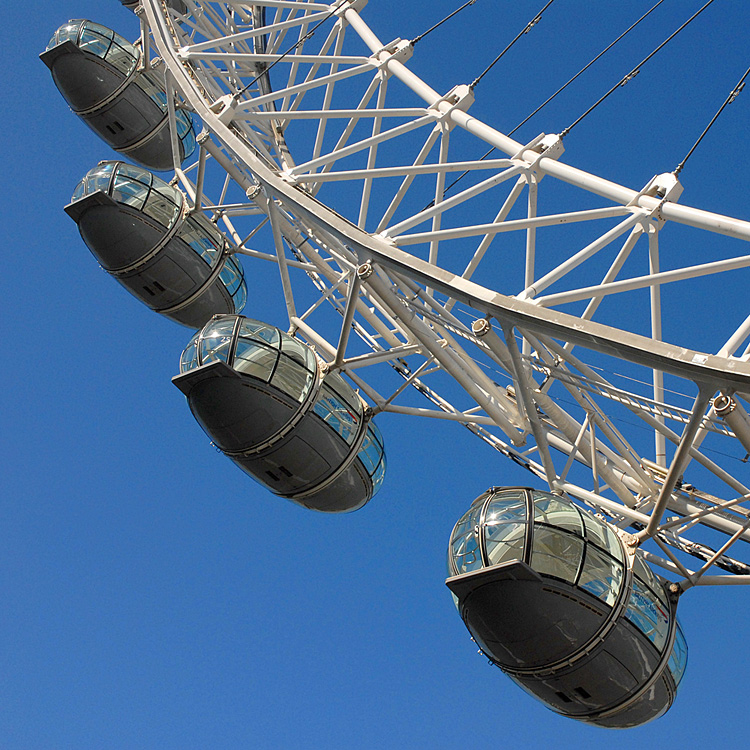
(121, 54)
(100, 41)
(560, 542)
(255, 349)
(136, 187)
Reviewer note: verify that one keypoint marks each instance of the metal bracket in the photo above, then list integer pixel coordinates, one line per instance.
(224, 108)
(548, 145)
(398, 49)
(460, 98)
(665, 187)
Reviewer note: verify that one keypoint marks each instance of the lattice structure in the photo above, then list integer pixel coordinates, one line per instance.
(332, 142)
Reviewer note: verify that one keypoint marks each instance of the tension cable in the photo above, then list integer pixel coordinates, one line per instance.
(526, 29)
(334, 10)
(637, 69)
(440, 23)
(732, 96)
(587, 66)
(563, 87)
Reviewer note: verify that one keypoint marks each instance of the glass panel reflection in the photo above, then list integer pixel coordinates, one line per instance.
(465, 543)
(216, 341)
(678, 657)
(292, 379)
(254, 359)
(332, 410)
(556, 553)
(505, 527)
(646, 612)
(601, 535)
(601, 575)
(550, 510)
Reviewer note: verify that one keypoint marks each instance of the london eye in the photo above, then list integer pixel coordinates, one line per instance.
(429, 265)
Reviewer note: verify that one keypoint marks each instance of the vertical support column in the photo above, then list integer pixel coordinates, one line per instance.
(679, 462)
(527, 400)
(660, 447)
(278, 241)
(528, 279)
(372, 153)
(351, 304)
(198, 198)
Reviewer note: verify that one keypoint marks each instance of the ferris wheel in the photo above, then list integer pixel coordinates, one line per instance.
(493, 286)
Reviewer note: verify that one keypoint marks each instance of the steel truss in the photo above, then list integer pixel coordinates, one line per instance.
(330, 141)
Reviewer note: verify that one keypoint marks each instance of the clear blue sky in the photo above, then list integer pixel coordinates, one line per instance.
(155, 597)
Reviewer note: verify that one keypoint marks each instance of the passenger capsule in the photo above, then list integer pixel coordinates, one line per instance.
(553, 597)
(263, 400)
(102, 78)
(139, 229)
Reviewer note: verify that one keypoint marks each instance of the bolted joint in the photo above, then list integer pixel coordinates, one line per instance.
(481, 327)
(399, 49)
(724, 405)
(224, 108)
(365, 271)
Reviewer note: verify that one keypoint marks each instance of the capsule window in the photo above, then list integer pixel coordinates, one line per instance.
(344, 391)
(96, 28)
(505, 543)
(193, 235)
(337, 414)
(465, 552)
(121, 57)
(66, 33)
(648, 614)
(370, 452)
(129, 192)
(678, 657)
(556, 553)
(292, 378)
(601, 535)
(189, 357)
(379, 475)
(240, 295)
(186, 131)
(254, 359)
(601, 575)
(98, 178)
(158, 207)
(231, 277)
(505, 527)
(297, 351)
(254, 329)
(92, 41)
(372, 455)
(153, 88)
(550, 510)
(216, 342)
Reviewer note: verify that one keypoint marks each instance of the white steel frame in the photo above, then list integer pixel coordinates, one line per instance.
(253, 76)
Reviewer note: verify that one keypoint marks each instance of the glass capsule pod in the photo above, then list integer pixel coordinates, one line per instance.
(102, 78)
(552, 597)
(264, 401)
(139, 229)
